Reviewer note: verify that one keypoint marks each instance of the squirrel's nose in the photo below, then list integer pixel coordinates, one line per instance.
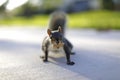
(57, 42)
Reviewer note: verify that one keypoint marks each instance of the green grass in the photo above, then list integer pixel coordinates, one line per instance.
(93, 19)
(96, 19)
(41, 20)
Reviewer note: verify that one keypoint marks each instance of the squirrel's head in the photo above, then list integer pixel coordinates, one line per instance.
(56, 37)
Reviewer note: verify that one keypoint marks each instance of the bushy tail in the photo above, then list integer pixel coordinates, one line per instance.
(57, 18)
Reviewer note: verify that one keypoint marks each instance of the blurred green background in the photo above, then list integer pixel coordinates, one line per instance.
(96, 14)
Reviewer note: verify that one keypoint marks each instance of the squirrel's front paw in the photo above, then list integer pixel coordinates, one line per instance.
(70, 63)
(72, 53)
(44, 60)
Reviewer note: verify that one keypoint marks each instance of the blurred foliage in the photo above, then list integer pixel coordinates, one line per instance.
(3, 13)
(26, 10)
(47, 6)
(35, 15)
(108, 4)
(29, 9)
(51, 4)
(3, 7)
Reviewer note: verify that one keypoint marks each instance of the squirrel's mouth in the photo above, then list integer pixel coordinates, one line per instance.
(58, 45)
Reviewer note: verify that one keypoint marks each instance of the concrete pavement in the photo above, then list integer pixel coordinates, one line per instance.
(97, 56)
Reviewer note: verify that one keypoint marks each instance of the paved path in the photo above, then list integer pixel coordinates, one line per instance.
(97, 56)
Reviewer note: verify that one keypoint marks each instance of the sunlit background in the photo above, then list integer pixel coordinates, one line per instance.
(97, 14)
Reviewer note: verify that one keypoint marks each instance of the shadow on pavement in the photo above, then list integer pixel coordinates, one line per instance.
(93, 65)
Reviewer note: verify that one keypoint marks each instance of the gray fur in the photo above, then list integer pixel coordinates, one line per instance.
(55, 38)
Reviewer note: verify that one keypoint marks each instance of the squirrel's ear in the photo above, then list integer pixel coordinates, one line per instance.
(49, 32)
(59, 29)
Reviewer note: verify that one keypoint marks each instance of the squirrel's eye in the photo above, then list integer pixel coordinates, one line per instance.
(53, 39)
(50, 37)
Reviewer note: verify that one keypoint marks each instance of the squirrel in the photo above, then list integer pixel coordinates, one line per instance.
(55, 41)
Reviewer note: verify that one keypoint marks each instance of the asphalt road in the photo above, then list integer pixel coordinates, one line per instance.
(97, 56)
